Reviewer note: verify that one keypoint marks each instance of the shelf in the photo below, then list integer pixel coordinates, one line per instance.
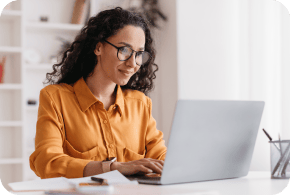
(54, 26)
(11, 161)
(10, 86)
(42, 66)
(11, 123)
(10, 14)
(7, 49)
(32, 108)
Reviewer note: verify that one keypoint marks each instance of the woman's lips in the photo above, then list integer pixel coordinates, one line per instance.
(126, 73)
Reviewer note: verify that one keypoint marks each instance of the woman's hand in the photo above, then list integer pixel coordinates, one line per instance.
(145, 165)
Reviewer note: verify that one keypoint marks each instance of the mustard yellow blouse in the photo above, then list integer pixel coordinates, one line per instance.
(73, 128)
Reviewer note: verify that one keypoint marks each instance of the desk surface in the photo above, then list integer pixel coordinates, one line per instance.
(253, 184)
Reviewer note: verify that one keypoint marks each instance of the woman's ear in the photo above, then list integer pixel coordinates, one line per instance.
(98, 49)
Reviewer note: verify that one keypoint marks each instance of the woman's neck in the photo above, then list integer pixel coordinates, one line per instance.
(101, 86)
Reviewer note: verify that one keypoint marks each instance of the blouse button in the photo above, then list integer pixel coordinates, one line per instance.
(105, 121)
(114, 107)
(111, 146)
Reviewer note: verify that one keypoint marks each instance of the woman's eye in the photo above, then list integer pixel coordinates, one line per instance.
(123, 50)
(139, 53)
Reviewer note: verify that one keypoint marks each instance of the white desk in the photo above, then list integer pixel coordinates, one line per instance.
(255, 183)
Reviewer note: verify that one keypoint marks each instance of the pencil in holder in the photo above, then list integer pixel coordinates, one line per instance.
(280, 159)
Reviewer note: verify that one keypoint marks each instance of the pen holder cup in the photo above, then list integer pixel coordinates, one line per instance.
(280, 159)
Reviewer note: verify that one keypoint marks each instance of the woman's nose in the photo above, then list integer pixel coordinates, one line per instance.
(131, 61)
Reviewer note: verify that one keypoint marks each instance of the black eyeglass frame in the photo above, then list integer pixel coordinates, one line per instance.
(118, 48)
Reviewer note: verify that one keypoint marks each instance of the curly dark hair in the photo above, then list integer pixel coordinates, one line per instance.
(79, 60)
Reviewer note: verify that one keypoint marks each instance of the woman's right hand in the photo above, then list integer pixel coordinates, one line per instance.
(145, 165)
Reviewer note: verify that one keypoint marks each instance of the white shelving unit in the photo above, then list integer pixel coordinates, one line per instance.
(21, 29)
(10, 86)
(11, 94)
(11, 161)
(53, 26)
(10, 49)
(41, 66)
(31, 108)
(11, 124)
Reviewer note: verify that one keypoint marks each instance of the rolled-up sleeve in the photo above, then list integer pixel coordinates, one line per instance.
(155, 145)
(49, 160)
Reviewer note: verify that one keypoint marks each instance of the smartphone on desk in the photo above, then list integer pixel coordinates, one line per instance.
(97, 184)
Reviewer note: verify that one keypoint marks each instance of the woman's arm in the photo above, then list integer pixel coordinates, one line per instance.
(93, 168)
(145, 165)
(155, 145)
(49, 160)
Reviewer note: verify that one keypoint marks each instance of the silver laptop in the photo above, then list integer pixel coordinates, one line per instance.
(209, 140)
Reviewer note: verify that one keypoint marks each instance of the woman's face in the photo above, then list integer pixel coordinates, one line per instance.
(118, 71)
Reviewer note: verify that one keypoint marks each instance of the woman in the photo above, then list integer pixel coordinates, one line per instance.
(96, 110)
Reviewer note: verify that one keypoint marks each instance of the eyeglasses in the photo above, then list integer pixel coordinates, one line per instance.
(125, 52)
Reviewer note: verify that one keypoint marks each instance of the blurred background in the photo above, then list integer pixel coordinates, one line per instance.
(206, 49)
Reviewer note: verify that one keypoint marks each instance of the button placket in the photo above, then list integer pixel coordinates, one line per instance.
(107, 132)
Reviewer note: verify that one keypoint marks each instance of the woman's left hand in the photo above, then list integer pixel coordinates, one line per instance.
(145, 165)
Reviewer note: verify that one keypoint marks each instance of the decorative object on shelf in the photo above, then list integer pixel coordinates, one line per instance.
(43, 18)
(149, 8)
(80, 12)
(31, 102)
(2, 64)
(31, 56)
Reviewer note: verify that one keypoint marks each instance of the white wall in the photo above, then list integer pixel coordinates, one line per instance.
(207, 53)
(237, 50)
(214, 55)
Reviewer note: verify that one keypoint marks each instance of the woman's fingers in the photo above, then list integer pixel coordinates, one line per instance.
(155, 167)
(159, 165)
(144, 169)
(155, 160)
(154, 164)
(130, 168)
(161, 162)
(146, 165)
